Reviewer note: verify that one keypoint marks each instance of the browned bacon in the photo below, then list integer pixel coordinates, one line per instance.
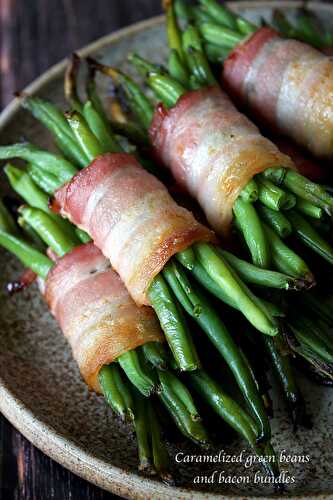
(95, 312)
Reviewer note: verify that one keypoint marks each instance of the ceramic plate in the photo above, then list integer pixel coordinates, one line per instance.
(41, 391)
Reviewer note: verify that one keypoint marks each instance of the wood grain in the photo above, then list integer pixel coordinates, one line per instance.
(35, 34)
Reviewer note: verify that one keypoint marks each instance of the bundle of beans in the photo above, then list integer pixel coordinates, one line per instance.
(210, 148)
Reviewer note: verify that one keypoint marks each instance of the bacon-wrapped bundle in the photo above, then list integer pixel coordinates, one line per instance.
(289, 84)
(95, 312)
(131, 218)
(212, 150)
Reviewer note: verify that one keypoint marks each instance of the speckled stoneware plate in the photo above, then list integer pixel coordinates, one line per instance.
(41, 392)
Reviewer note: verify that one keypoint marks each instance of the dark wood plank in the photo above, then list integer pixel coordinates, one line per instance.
(26, 473)
(34, 34)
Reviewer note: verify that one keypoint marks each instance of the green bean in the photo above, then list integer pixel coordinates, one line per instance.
(52, 118)
(276, 220)
(284, 373)
(31, 235)
(192, 428)
(317, 305)
(22, 184)
(82, 235)
(216, 54)
(25, 187)
(206, 281)
(262, 277)
(187, 258)
(156, 354)
(219, 271)
(246, 27)
(137, 373)
(142, 430)
(309, 209)
(47, 182)
(218, 35)
(70, 84)
(166, 88)
(29, 256)
(319, 329)
(200, 68)
(223, 405)
(251, 227)
(274, 197)
(110, 390)
(175, 412)
(173, 324)
(310, 237)
(271, 463)
(220, 13)
(51, 163)
(194, 84)
(7, 222)
(250, 192)
(201, 310)
(307, 30)
(202, 16)
(131, 130)
(48, 230)
(84, 136)
(183, 290)
(92, 93)
(308, 190)
(139, 103)
(173, 30)
(235, 416)
(269, 310)
(328, 39)
(273, 309)
(116, 391)
(143, 65)
(191, 39)
(285, 259)
(310, 340)
(177, 69)
(282, 23)
(183, 11)
(160, 454)
(276, 175)
(100, 129)
(168, 379)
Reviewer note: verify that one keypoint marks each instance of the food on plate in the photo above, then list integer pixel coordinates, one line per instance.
(131, 275)
(285, 82)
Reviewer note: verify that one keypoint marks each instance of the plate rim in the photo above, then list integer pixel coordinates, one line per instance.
(63, 450)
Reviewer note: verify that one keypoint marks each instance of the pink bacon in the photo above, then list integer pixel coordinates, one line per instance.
(212, 150)
(131, 218)
(288, 84)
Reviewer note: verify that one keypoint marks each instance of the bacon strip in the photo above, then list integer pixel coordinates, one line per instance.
(287, 83)
(212, 151)
(95, 311)
(131, 217)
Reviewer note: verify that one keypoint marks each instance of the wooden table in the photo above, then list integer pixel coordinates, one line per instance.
(34, 35)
